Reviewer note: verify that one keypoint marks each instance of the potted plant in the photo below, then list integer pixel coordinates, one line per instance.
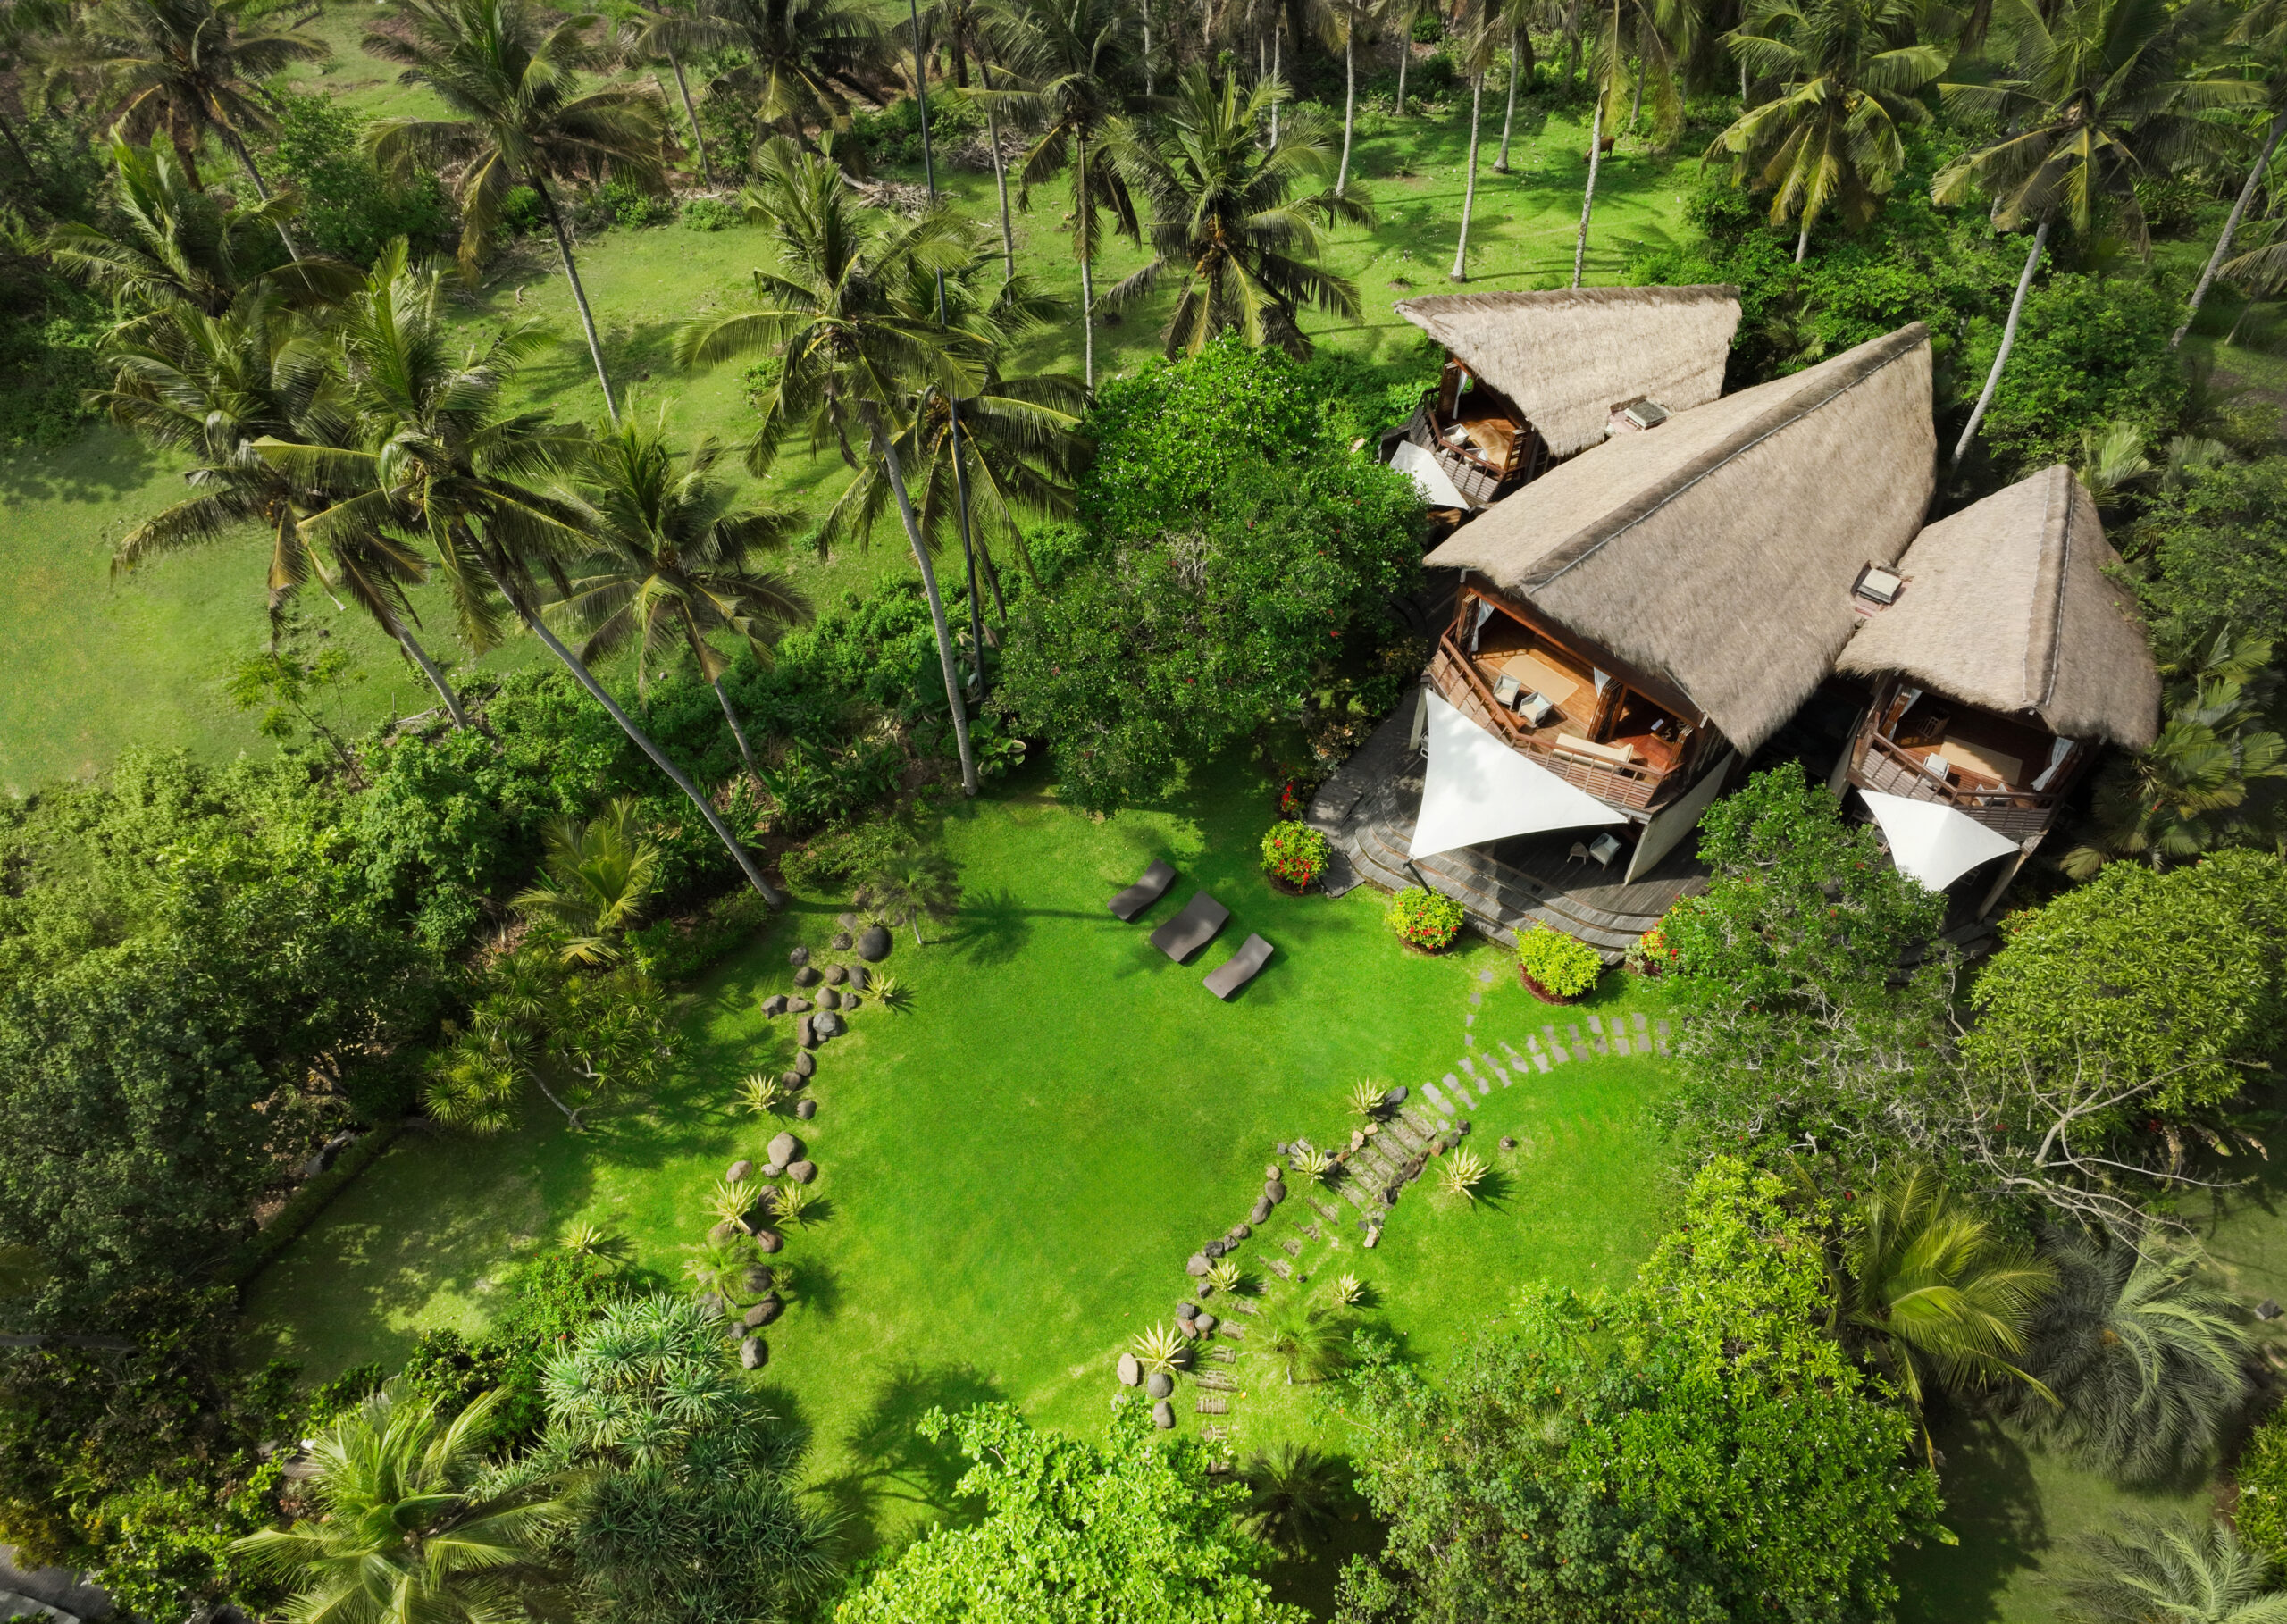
(1426, 921)
(1295, 857)
(1556, 968)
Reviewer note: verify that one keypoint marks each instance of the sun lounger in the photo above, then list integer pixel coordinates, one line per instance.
(1145, 891)
(1190, 930)
(1240, 969)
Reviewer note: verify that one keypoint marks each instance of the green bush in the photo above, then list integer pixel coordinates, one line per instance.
(2261, 1513)
(1564, 966)
(521, 213)
(1296, 853)
(1426, 919)
(713, 213)
(892, 135)
(350, 209)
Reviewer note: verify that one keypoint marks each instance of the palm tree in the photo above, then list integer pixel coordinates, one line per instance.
(2092, 98)
(852, 312)
(915, 882)
(512, 84)
(1339, 22)
(2147, 1361)
(594, 879)
(1071, 61)
(2265, 26)
(403, 1532)
(969, 31)
(670, 562)
(802, 59)
(1399, 16)
(1932, 1292)
(436, 456)
(1847, 70)
(1305, 1336)
(1292, 1492)
(1520, 15)
(643, 42)
(1476, 37)
(2184, 1571)
(1226, 217)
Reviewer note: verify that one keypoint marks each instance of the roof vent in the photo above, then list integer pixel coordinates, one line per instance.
(1645, 414)
(1878, 585)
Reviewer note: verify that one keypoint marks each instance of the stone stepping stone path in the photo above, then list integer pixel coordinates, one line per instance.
(1330, 1214)
(1224, 1356)
(1215, 1381)
(1282, 1268)
(1293, 1247)
(1213, 1403)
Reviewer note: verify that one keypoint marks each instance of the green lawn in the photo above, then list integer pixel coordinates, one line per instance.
(1018, 1167)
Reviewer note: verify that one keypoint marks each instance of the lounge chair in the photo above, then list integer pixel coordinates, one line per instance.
(1145, 891)
(1190, 930)
(1239, 969)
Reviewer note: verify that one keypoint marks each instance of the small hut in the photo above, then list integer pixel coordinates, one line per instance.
(1531, 378)
(2002, 660)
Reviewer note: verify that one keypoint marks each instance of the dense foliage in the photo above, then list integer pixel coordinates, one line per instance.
(1563, 964)
(1425, 920)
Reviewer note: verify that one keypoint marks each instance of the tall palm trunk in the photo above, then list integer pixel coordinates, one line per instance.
(969, 549)
(1085, 221)
(1144, 11)
(885, 449)
(1469, 196)
(579, 292)
(1635, 101)
(698, 136)
(1588, 197)
(1000, 170)
(237, 144)
(2231, 225)
(1349, 101)
(1278, 38)
(419, 656)
(1803, 239)
(1509, 118)
(746, 750)
(2008, 341)
(1404, 58)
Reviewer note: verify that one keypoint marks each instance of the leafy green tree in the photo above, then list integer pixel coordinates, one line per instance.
(574, 1038)
(1697, 1448)
(404, 1530)
(596, 876)
(1235, 221)
(795, 62)
(2217, 543)
(1134, 1528)
(513, 83)
(2185, 1571)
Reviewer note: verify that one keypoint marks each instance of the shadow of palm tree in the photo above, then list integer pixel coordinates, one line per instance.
(993, 928)
(892, 1463)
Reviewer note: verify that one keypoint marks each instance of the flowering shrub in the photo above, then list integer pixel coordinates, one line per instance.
(1424, 919)
(1295, 853)
(1564, 966)
(1652, 955)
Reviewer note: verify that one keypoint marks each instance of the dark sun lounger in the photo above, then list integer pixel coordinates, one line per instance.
(1190, 930)
(1145, 891)
(1240, 969)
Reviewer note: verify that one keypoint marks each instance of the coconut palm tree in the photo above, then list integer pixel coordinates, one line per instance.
(1071, 63)
(402, 1530)
(2147, 1361)
(1932, 1294)
(1519, 15)
(851, 312)
(642, 42)
(1399, 17)
(1847, 71)
(2265, 27)
(2184, 1571)
(1476, 35)
(1339, 24)
(1235, 222)
(512, 82)
(917, 881)
(796, 63)
(2092, 97)
(1302, 1336)
(594, 879)
(672, 562)
(1292, 1494)
(436, 456)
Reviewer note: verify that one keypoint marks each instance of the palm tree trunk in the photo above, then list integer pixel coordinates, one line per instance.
(2008, 339)
(1469, 196)
(237, 144)
(746, 750)
(1405, 60)
(1803, 239)
(1588, 197)
(999, 171)
(698, 136)
(969, 551)
(1278, 38)
(419, 656)
(8, 130)
(886, 449)
(1636, 102)
(1349, 101)
(1509, 118)
(579, 293)
(2231, 225)
(1082, 222)
(1144, 9)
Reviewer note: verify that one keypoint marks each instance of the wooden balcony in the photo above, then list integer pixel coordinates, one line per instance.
(1881, 765)
(1637, 786)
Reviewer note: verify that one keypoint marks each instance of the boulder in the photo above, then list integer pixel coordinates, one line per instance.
(1283, 1148)
(805, 1065)
(797, 1006)
(1271, 1169)
(850, 1000)
(1131, 1373)
(1262, 1212)
(1462, 1127)
(763, 1313)
(829, 1000)
(754, 1319)
(759, 1277)
(1508, 1141)
(1190, 1328)
(1274, 1192)
(769, 1240)
(860, 977)
(1373, 1236)
(1206, 1322)
(1357, 1140)
(801, 1172)
(792, 1081)
(1163, 1416)
(1160, 1384)
(1238, 1232)
(806, 976)
(842, 942)
(836, 974)
(805, 1033)
(753, 1354)
(874, 944)
(1215, 1249)
(799, 957)
(1187, 1311)
(804, 1109)
(774, 1169)
(848, 922)
(828, 1024)
(784, 1148)
(1198, 1265)
(740, 1171)
(776, 1004)
(1395, 1097)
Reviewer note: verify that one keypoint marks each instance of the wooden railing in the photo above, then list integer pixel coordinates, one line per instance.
(1622, 783)
(1888, 769)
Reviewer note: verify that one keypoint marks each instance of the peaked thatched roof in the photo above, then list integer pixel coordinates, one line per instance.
(1567, 358)
(1719, 549)
(2008, 606)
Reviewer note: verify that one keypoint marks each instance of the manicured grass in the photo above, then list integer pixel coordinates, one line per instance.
(1017, 1168)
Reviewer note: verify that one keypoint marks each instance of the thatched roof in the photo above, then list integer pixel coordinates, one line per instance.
(1568, 358)
(2007, 608)
(1719, 549)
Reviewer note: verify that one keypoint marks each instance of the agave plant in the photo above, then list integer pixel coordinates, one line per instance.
(1161, 1348)
(1465, 1170)
(1312, 1162)
(762, 1093)
(892, 993)
(584, 1240)
(1366, 1098)
(795, 1204)
(731, 1203)
(1224, 1275)
(1348, 1290)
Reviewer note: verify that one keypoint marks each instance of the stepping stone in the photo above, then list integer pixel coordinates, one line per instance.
(1618, 1042)
(1469, 1019)
(1292, 1247)
(1483, 1088)
(1596, 1026)
(1445, 1108)
(1572, 1031)
(1430, 1090)
(1541, 1060)
(1556, 1052)
(1328, 1213)
(1639, 1023)
(1484, 976)
(1661, 1030)
(1602, 1047)
(1312, 1231)
(1279, 1267)
(1228, 1329)
(1213, 1403)
(1477, 998)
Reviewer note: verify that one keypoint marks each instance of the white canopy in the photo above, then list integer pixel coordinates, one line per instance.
(1480, 789)
(1435, 484)
(1935, 844)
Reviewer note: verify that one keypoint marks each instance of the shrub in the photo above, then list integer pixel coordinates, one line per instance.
(350, 209)
(1563, 964)
(1650, 954)
(520, 211)
(1294, 853)
(1464, 1170)
(712, 214)
(1424, 919)
(2261, 1513)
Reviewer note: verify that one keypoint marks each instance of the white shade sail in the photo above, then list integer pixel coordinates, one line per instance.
(1935, 844)
(1435, 484)
(1479, 789)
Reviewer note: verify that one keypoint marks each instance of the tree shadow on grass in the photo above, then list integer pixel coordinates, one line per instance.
(891, 1464)
(1994, 1508)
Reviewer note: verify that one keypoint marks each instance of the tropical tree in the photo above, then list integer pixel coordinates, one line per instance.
(2185, 1571)
(1292, 1494)
(1071, 63)
(796, 63)
(1399, 17)
(572, 1037)
(1476, 36)
(852, 314)
(1339, 24)
(917, 881)
(2091, 98)
(672, 562)
(513, 83)
(403, 1531)
(1847, 71)
(1639, 45)
(1302, 1335)
(1227, 216)
(2265, 27)
(1932, 1294)
(593, 880)
(642, 42)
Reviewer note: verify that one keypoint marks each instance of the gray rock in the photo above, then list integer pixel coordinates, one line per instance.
(850, 1000)
(1198, 1265)
(804, 1109)
(860, 977)
(1283, 1148)
(829, 1000)
(763, 1313)
(776, 1004)
(1163, 1416)
(801, 1172)
(805, 1065)
(1462, 1127)
(792, 1081)
(1238, 1232)
(1214, 1249)
(1274, 1192)
(760, 1277)
(774, 1169)
(1189, 1328)
(1186, 1310)
(1395, 1097)
(754, 1353)
(1271, 1169)
(836, 974)
(805, 1033)
(797, 1006)
(723, 1231)
(784, 1148)
(2268, 1309)
(770, 1240)
(740, 1171)
(834, 1026)
(806, 976)
(1206, 1322)
(841, 942)
(874, 944)
(1508, 1141)
(799, 957)
(1160, 1384)
(1262, 1212)
(848, 922)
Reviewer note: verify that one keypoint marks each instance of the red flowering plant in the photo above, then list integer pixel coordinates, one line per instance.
(1295, 854)
(1424, 920)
